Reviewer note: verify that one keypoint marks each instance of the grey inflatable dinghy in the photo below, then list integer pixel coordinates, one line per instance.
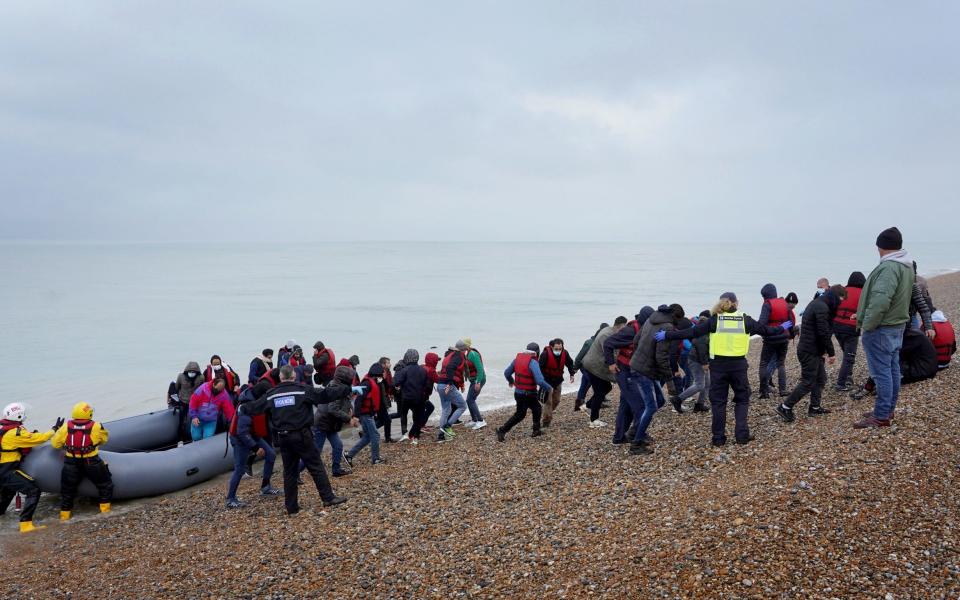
(144, 458)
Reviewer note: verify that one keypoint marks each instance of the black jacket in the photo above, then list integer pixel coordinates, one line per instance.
(652, 358)
(336, 407)
(413, 383)
(816, 329)
(769, 292)
(289, 406)
(708, 326)
(918, 357)
(624, 337)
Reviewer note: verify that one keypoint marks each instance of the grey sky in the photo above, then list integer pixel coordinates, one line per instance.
(492, 120)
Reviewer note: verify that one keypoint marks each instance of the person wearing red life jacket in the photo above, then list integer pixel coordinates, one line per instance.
(524, 376)
(365, 408)
(296, 357)
(845, 330)
(774, 313)
(946, 340)
(450, 384)
(15, 443)
(248, 434)
(80, 439)
(324, 363)
(553, 360)
(387, 392)
(218, 369)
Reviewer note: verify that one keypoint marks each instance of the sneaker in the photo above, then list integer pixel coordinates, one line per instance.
(379, 461)
(270, 491)
(859, 393)
(414, 441)
(247, 472)
(746, 440)
(871, 422)
(389, 440)
(784, 393)
(234, 503)
(501, 435)
(697, 408)
(536, 433)
(334, 501)
(640, 448)
(299, 480)
(597, 424)
(347, 459)
(479, 425)
(814, 411)
(448, 432)
(785, 413)
(618, 441)
(404, 438)
(426, 429)
(342, 473)
(764, 396)
(578, 406)
(677, 404)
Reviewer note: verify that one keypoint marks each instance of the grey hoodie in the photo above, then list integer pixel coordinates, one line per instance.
(185, 385)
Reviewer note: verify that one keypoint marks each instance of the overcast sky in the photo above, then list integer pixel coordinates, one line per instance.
(493, 120)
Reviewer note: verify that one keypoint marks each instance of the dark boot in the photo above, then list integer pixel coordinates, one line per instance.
(677, 404)
(640, 448)
(700, 408)
(501, 435)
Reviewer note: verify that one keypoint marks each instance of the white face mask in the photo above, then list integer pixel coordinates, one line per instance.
(557, 352)
(192, 374)
(217, 367)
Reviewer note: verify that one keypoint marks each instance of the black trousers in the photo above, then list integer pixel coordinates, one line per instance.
(383, 419)
(813, 377)
(420, 411)
(777, 350)
(401, 414)
(294, 447)
(600, 388)
(525, 401)
(726, 375)
(13, 480)
(73, 472)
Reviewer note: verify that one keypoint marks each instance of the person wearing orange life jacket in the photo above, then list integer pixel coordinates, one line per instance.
(553, 360)
(946, 340)
(15, 443)
(846, 332)
(524, 376)
(774, 313)
(80, 439)
(450, 383)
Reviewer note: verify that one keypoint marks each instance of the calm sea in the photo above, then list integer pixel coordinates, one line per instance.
(113, 324)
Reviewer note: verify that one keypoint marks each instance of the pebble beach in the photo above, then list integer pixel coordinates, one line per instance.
(811, 509)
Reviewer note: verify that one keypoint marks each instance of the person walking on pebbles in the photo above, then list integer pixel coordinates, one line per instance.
(524, 375)
(882, 315)
(290, 409)
(730, 330)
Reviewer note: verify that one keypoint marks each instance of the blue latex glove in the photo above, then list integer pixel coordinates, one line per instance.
(660, 335)
(787, 325)
(687, 345)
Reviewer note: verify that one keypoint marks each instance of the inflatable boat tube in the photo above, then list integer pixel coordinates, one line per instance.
(152, 431)
(140, 474)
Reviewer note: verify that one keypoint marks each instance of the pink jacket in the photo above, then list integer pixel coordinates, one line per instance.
(206, 407)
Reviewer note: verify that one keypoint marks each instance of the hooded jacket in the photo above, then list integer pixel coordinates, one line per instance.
(918, 357)
(186, 385)
(769, 292)
(886, 296)
(652, 358)
(816, 331)
(413, 380)
(336, 406)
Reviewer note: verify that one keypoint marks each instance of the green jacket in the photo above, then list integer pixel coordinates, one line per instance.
(885, 299)
(474, 357)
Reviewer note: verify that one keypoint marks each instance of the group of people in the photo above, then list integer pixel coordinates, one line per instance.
(301, 404)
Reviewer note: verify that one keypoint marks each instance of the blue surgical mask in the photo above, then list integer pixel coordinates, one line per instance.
(557, 352)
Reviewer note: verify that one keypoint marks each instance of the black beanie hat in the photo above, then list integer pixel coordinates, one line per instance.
(791, 298)
(890, 239)
(533, 347)
(376, 370)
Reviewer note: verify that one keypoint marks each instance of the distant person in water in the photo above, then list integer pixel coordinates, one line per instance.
(584, 375)
(218, 369)
(729, 330)
(553, 360)
(260, 365)
(324, 363)
(813, 350)
(845, 330)
(476, 379)
(179, 393)
(524, 376)
(207, 404)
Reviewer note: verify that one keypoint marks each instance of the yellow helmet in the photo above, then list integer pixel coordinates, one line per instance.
(82, 411)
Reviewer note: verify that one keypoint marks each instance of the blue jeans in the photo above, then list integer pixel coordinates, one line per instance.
(643, 388)
(882, 347)
(336, 445)
(202, 431)
(452, 404)
(240, 455)
(472, 394)
(584, 385)
(631, 404)
(369, 436)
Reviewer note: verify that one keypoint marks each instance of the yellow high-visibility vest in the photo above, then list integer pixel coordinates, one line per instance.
(731, 337)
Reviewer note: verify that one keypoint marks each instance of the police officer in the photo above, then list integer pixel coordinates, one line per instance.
(15, 443)
(80, 440)
(730, 332)
(290, 409)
